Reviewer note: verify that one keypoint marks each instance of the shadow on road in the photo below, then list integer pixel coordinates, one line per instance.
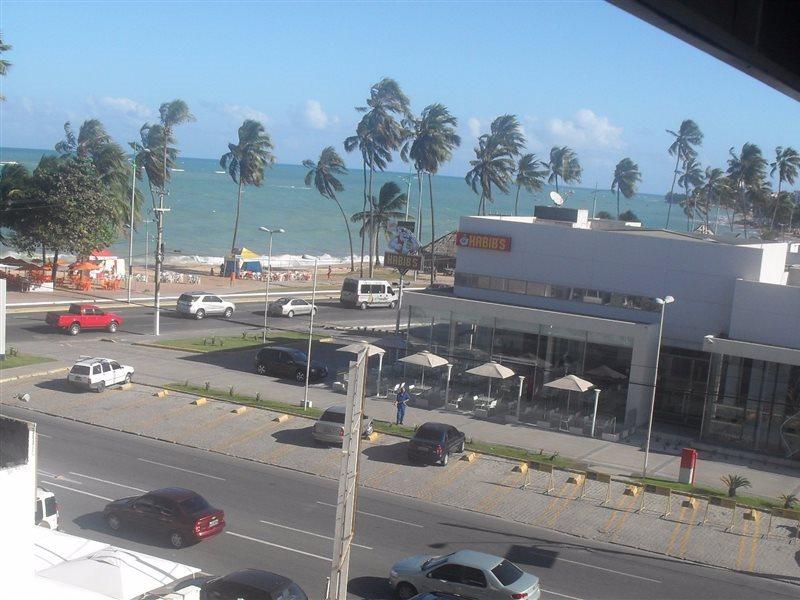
(390, 453)
(371, 588)
(60, 385)
(297, 437)
(95, 522)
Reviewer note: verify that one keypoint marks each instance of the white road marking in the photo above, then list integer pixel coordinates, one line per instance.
(361, 512)
(130, 487)
(45, 436)
(575, 562)
(152, 462)
(560, 595)
(324, 537)
(80, 491)
(252, 539)
(59, 477)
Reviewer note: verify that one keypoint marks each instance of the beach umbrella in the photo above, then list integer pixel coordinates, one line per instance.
(424, 359)
(359, 347)
(491, 370)
(85, 265)
(573, 383)
(606, 372)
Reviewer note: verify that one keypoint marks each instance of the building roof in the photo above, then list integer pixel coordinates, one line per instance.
(445, 246)
(731, 240)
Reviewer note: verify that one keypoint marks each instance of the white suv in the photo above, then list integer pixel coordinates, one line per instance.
(200, 304)
(99, 373)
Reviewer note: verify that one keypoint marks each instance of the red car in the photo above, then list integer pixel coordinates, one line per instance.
(84, 316)
(182, 515)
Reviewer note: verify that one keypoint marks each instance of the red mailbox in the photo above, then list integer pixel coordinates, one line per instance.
(688, 463)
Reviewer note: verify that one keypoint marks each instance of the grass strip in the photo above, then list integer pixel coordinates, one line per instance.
(230, 395)
(702, 490)
(21, 360)
(215, 343)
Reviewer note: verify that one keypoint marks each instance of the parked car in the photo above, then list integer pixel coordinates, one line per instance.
(288, 362)
(46, 509)
(439, 287)
(99, 373)
(437, 596)
(83, 316)
(251, 584)
(200, 304)
(364, 293)
(329, 428)
(289, 307)
(182, 515)
(466, 573)
(434, 442)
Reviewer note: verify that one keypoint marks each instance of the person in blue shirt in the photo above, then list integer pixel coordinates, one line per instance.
(401, 401)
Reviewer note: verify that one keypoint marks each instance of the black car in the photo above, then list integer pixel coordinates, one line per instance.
(288, 362)
(251, 584)
(434, 442)
(436, 596)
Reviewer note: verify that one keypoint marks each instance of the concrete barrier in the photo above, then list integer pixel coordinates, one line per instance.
(281, 419)
(199, 401)
(545, 468)
(469, 457)
(598, 477)
(161, 393)
(239, 410)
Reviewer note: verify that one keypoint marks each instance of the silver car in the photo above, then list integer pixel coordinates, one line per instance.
(465, 573)
(329, 429)
(289, 307)
(200, 304)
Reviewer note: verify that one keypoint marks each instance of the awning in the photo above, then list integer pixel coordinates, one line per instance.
(775, 354)
(245, 253)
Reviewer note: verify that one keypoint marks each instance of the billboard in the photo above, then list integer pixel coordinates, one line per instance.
(402, 262)
(402, 239)
(483, 241)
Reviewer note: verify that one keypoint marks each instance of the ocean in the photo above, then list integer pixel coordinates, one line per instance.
(202, 200)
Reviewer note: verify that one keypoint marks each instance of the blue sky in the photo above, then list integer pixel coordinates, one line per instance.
(582, 74)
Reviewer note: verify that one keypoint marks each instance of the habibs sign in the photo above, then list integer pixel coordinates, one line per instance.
(483, 242)
(402, 262)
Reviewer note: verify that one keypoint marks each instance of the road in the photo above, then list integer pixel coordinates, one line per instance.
(281, 520)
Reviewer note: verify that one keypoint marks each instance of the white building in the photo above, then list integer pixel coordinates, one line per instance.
(560, 293)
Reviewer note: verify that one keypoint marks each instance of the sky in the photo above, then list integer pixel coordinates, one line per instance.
(582, 74)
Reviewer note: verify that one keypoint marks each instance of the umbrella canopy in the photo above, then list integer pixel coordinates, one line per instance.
(52, 547)
(85, 265)
(424, 359)
(571, 383)
(605, 371)
(118, 573)
(358, 347)
(493, 370)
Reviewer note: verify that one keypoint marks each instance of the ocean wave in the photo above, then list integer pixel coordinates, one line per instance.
(279, 261)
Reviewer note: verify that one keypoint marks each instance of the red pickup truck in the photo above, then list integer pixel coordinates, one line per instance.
(83, 316)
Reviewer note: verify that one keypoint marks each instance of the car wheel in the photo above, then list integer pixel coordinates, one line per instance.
(113, 522)
(101, 387)
(112, 327)
(363, 306)
(74, 329)
(261, 369)
(290, 314)
(405, 591)
(177, 540)
(128, 378)
(445, 459)
(300, 377)
(228, 313)
(392, 304)
(199, 314)
(460, 448)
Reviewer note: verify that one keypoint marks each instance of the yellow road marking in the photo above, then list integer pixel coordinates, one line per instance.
(675, 531)
(742, 545)
(144, 423)
(194, 428)
(621, 504)
(689, 529)
(493, 499)
(440, 483)
(621, 521)
(243, 437)
(754, 547)
(126, 405)
(551, 505)
(565, 502)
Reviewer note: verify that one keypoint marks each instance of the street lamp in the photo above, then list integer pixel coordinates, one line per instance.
(269, 276)
(130, 232)
(310, 333)
(663, 303)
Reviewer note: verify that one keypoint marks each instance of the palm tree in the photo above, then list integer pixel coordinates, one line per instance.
(4, 64)
(564, 163)
(435, 138)
(14, 183)
(495, 157)
(147, 155)
(530, 175)
(734, 482)
(786, 165)
(626, 178)
(172, 114)
(692, 176)
(682, 147)
(245, 162)
(388, 207)
(323, 174)
(714, 189)
(747, 171)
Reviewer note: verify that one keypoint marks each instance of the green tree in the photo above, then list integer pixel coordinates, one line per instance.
(604, 214)
(530, 175)
(4, 64)
(148, 156)
(564, 163)
(691, 177)
(245, 162)
(714, 190)
(683, 147)
(626, 178)
(735, 482)
(629, 217)
(323, 175)
(434, 140)
(747, 171)
(389, 206)
(786, 165)
(14, 201)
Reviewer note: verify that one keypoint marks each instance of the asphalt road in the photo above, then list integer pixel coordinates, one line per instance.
(280, 520)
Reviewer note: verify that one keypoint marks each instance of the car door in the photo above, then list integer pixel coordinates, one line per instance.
(446, 578)
(287, 366)
(301, 307)
(473, 585)
(214, 305)
(118, 371)
(99, 318)
(165, 514)
(453, 439)
(97, 374)
(142, 513)
(88, 319)
(108, 373)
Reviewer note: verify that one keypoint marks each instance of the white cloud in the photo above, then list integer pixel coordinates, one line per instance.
(315, 117)
(124, 106)
(240, 113)
(474, 126)
(586, 130)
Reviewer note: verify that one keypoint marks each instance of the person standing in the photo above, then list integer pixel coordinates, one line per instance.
(401, 401)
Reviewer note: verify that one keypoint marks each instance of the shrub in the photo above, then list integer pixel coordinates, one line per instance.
(207, 385)
(734, 482)
(258, 396)
(231, 391)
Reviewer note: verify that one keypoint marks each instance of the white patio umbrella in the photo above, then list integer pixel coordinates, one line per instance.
(424, 359)
(117, 573)
(573, 383)
(358, 347)
(491, 370)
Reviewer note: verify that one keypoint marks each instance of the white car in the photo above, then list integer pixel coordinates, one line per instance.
(99, 373)
(46, 509)
(200, 304)
(289, 307)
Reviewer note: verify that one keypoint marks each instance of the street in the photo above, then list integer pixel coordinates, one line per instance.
(280, 520)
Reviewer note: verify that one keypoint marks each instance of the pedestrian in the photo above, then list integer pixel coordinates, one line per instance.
(330, 271)
(401, 401)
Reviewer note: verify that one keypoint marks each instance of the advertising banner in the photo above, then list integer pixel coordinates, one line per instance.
(483, 241)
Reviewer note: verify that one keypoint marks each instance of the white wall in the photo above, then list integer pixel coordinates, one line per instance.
(764, 313)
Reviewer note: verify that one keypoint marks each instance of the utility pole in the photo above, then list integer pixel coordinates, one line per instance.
(130, 231)
(348, 479)
(306, 403)
(159, 258)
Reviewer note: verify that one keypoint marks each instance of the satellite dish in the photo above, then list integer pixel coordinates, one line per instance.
(557, 199)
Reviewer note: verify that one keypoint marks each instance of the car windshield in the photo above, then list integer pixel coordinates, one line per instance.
(79, 370)
(75, 309)
(507, 572)
(187, 298)
(429, 433)
(283, 301)
(194, 504)
(349, 285)
(334, 416)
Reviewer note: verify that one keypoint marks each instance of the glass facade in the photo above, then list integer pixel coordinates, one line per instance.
(681, 389)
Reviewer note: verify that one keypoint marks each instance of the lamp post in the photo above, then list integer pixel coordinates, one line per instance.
(594, 412)
(159, 260)
(310, 333)
(146, 243)
(130, 230)
(663, 303)
(269, 276)
(519, 395)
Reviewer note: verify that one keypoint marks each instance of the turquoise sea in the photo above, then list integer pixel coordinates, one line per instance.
(202, 202)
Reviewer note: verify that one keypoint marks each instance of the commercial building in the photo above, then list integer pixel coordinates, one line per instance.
(559, 293)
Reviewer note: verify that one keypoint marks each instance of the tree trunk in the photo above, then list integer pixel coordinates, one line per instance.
(418, 231)
(556, 183)
(371, 223)
(236, 223)
(363, 210)
(672, 188)
(617, 202)
(54, 270)
(516, 200)
(349, 236)
(745, 211)
(777, 201)
(433, 236)
(690, 204)
(44, 254)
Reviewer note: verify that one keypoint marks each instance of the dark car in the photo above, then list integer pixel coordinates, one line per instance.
(434, 442)
(182, 515)
(288, 362)
(436, 596)
(251, 584)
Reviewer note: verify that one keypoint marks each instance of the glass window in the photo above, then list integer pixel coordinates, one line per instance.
(194, 504)
(75, 309)
(333, 416)
(212, 299)
(450, 572)
(498, 283)
(537, 289)
(80, 370)
(106, 367)
(474, 577)
(96, 370)
(115, 365)
(429, 433)
(561, 292)
(515, 286)
(300, 302)
(507, 572)
(483, 282)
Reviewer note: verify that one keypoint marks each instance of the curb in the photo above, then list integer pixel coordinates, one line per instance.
(37, 374)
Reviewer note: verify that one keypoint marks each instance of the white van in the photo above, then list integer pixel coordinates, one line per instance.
(367, 292)
(46, 509)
